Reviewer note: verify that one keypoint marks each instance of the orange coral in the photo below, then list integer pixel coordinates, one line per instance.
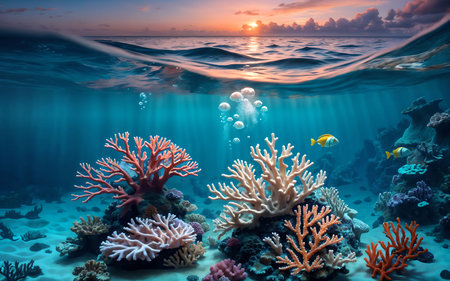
(403, 248)
(320, 239)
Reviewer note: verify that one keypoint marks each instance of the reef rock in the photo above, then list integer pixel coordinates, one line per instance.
(420, 113)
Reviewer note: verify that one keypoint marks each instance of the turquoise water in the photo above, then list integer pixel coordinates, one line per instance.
(61, 97)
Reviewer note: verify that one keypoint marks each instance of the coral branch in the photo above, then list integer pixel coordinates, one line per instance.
(153, 162)
(396, 252)
(274, 243)
(305, 225)
(272, 194)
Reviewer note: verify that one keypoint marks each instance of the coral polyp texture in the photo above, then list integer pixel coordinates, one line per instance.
(146, 238)
(305, 256)
(393, 255)
(226, 268)
(272, 194)
(145, 170)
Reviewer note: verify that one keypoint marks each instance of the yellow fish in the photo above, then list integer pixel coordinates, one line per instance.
(326, 140)
(398, 152)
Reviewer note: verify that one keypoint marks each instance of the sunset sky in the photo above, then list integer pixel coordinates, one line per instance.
(223, 17)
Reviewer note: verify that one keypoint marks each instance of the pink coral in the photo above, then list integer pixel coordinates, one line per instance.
(438, 118)
(163, 160)
(148, 237)
(227, 268)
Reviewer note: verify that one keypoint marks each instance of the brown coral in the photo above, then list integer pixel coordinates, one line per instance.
(185, 256)
(93, 226)
(91, 271)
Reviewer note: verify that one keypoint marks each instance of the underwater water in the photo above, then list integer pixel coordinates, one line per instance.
(61, 97)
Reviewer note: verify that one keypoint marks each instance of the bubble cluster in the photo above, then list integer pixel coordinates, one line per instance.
(244, 112)
(143, 99)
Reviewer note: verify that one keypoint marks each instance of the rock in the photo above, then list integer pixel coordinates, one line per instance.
(36, 247)
(445, 274)
(420, 113)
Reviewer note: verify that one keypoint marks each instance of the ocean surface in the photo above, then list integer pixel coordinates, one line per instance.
(62, 96)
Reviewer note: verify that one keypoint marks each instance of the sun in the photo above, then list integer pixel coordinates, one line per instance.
(253, 25)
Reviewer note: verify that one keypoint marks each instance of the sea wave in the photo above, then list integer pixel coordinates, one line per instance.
(190, 64)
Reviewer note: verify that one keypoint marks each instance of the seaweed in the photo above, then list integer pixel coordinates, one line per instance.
(32, 235)
(34, 214)
(19, 271)
(6, 232)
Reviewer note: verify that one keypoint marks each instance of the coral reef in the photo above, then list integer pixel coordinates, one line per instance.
(384, 262)
(272, 194)
(226, 268)
(148, 237)
(186, 256)
(153, 164)
(91, 271)
(306, 224)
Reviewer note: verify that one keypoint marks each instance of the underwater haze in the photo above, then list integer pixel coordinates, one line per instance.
(62, 96)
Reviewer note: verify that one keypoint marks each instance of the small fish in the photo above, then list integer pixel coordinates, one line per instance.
(422, 204)
(326, 140)
(398, 152)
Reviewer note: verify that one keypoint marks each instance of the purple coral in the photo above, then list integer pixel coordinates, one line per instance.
(233, 242)
(198, 229)
(227, 268)
(422, 191)
(438, 119)
(174, 194)
(401, 199)
(396, 179)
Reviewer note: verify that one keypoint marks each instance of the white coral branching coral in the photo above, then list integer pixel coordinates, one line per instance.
(272, 194)
(148, 237)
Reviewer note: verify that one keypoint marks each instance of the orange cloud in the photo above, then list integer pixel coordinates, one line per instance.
(144, 9)
(248, 12)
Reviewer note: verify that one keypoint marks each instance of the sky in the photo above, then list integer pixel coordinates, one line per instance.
(223, 17)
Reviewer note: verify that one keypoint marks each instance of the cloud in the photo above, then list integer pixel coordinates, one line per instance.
(144, 8)
(390, 15)
(14, 11)
(44, 9)
(415, 15)
(300, 6)
(104, 25)
(418, 13)
(248, 12)
(367, 22)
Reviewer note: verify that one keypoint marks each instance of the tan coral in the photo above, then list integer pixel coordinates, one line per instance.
(186, 256)
(340, 208)
(272, 194)
(93, 226)
(306, 224)
(274, 243)
(337, 261)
